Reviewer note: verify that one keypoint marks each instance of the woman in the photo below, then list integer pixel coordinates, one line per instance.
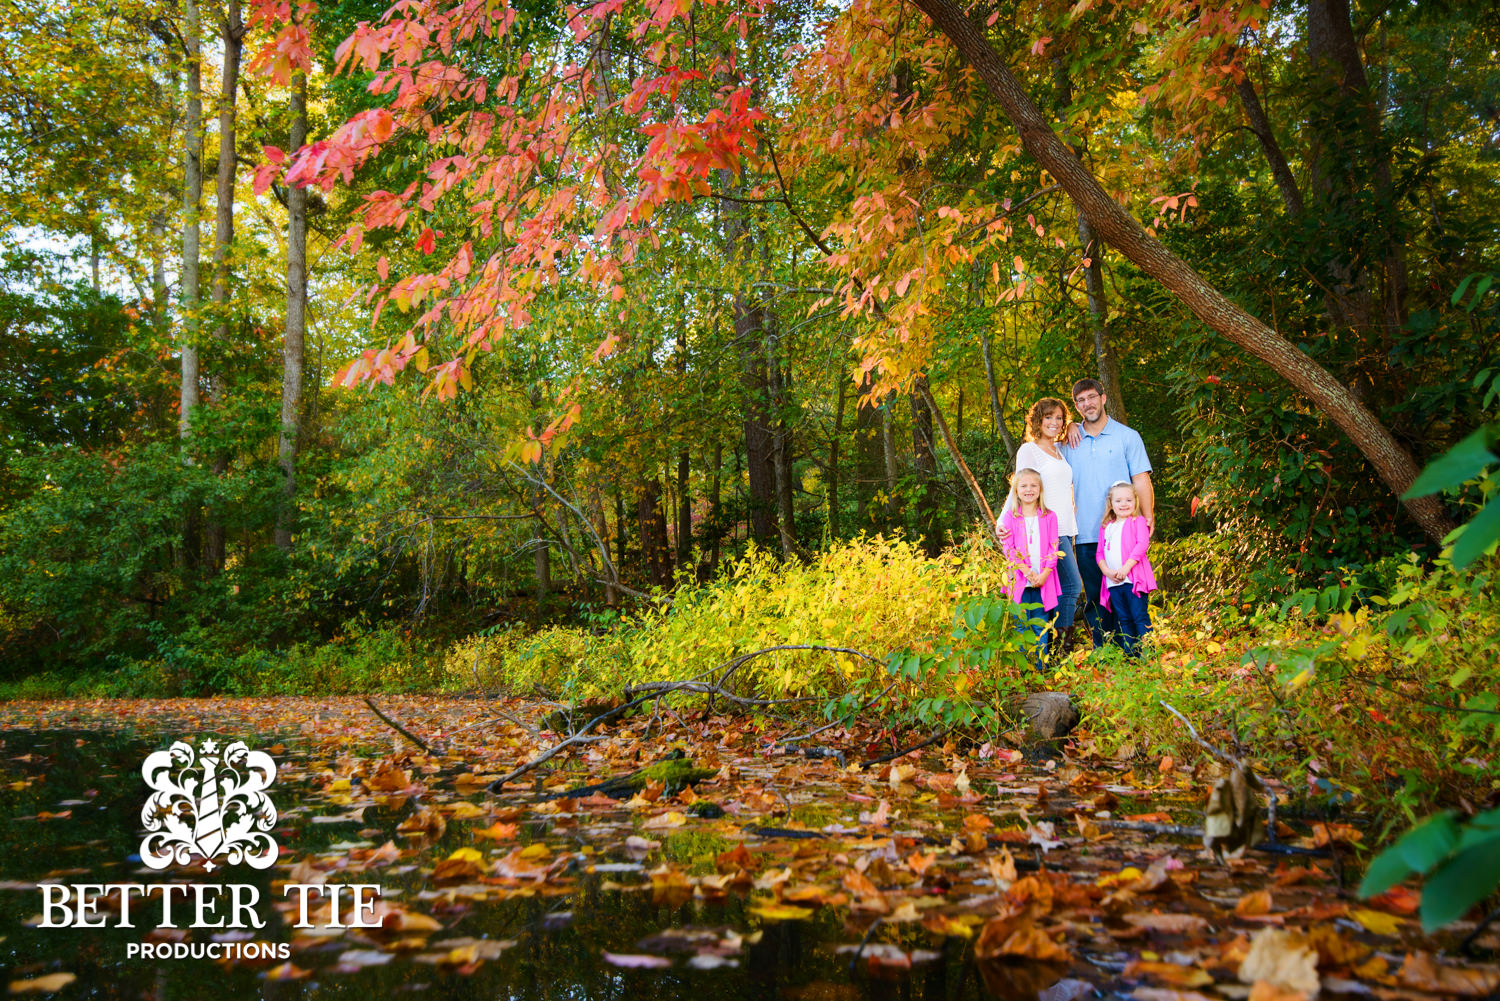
(1046, 423)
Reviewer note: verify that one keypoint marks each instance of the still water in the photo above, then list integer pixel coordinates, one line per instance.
(70, 809)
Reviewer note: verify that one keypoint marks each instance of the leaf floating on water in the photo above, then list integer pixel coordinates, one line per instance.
(49, 984)
(782, 912)
(631, 961)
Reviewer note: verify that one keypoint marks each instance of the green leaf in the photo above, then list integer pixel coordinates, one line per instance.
(1463, 286)
(1460, 884)
(1462, 462)
(1478, 535)
(1386, 870)
(1427, 844)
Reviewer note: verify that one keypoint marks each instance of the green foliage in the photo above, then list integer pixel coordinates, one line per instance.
(1461, 860)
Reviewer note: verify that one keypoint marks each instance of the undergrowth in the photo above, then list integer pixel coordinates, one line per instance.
(1377, 687)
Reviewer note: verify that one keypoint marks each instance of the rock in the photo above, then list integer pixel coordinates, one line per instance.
(1052, 715)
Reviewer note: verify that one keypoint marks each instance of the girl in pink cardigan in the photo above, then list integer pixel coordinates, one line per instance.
(1124, 538)
(1029, 532)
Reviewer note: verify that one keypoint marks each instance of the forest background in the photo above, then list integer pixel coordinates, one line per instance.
(501, 345)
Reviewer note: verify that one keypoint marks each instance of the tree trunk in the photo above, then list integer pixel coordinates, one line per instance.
(715, 516)
(1351, 173)
(1093, 273)
(893, 510)
(833, 464)
(928, 510)
(292, 346)
(541, 565)
(869, 468)
(232, 33)
(192, 195)
(1112, 223)
(781, 437)
(1093, 283)
(231, 36)
(656, 559)
(1281, 171)
(996, 411)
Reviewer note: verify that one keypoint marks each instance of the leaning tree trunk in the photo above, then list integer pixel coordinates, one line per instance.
(925, 461)
(292, 345)
(1113, 224)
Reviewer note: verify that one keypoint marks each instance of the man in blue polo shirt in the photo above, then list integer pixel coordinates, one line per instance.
(1102, 453)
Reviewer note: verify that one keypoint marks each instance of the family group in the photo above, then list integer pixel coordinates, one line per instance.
(1077, 524)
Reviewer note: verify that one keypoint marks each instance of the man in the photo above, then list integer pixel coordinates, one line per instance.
(1102, 453)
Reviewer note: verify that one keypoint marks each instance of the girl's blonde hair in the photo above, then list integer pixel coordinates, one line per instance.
(1109, 507)
(1041, 497)
(1039, 411)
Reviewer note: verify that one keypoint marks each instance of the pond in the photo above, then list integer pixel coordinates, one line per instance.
(801, 879)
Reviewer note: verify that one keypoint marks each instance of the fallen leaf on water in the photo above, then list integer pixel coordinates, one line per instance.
(42, 985)
(781, 912)
(1168, 924)
(287, 971)
(1165, 994)
(1067, 989)
(1254, 904)
(636, 962)
(1422, 972)
(665, 821)
(1378, 922)
(1172, 974)
(1399, 899)
(497, 832)
(1326, 834)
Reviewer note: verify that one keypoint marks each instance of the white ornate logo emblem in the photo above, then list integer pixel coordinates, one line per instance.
(209, 804)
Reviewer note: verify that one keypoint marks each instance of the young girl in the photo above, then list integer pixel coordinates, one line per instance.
(1128, 578)
(1029, 534)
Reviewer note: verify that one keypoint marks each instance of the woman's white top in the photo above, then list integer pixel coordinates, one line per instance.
(1113, 533)
(1034, 543)
(1057, 485)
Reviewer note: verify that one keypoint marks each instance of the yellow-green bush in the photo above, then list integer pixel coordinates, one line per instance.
(871, 594)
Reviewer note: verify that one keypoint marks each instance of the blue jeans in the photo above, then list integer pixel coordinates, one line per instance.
(1101, 620)
(1133, 613)
(1036, 620)
(1071, 584)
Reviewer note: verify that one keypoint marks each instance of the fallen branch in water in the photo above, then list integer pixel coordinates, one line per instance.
(640, 694)
(403, 731)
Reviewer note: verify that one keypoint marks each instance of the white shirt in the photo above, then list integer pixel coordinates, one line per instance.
(1034, 543)
(1113, 533)
(1057, 485)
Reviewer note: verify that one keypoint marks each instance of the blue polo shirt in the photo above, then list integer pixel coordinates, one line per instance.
(1101, 460)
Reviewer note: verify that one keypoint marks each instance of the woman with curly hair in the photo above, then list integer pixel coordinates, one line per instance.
(1046, 424)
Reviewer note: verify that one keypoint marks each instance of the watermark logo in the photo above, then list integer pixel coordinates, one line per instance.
(209, 803)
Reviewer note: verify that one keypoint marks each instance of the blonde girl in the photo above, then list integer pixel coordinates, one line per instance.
(1028, 533)
(1124, 537)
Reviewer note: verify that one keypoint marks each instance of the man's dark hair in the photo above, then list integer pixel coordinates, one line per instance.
(1083, 384)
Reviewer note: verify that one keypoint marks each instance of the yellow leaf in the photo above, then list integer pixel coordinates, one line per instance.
(671, 818)
(1378, 922)
(781, 912)
(42, 985)
(466, 855)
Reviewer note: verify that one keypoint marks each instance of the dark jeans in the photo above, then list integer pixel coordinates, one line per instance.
(1072, 586)
(1037, 621)
(1133, 613)
(1101, 620)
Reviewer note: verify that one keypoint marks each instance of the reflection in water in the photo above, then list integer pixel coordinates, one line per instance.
(70, 810)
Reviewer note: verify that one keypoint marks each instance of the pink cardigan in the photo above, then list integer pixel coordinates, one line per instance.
(1019, 557)
(1134, 541)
